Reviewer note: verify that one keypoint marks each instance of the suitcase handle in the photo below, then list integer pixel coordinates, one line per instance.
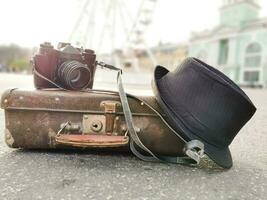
(87, 140)
(78, 140)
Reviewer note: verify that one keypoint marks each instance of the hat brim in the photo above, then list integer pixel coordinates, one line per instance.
(222, 157)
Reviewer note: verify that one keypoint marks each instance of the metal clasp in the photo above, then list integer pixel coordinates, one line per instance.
(110, 109)
(195, 150)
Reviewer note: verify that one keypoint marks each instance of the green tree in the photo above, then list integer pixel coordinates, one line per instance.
(15, 57)
(20, 64)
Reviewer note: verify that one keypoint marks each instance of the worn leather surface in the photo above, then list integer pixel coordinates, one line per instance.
(33, 117)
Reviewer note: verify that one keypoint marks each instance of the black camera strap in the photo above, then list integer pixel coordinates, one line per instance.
(194, 149)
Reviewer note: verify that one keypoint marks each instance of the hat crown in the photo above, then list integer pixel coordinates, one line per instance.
(207, 102)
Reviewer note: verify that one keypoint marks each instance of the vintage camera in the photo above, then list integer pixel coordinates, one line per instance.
(65, 67)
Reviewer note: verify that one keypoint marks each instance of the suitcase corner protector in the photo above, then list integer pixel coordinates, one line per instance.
(5, 97)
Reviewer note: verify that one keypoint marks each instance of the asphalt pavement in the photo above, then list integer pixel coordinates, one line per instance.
(90, 175)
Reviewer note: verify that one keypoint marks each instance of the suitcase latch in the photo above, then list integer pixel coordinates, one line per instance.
(97, 130)
(110, 109)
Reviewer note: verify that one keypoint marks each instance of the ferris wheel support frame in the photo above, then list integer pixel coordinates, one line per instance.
(110, 9)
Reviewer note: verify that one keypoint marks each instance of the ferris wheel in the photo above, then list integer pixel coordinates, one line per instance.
(108, 26)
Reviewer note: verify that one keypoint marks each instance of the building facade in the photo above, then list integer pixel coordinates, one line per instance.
(238, 45)
(168, 55)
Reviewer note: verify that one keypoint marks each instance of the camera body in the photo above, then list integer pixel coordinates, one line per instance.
(65, 67)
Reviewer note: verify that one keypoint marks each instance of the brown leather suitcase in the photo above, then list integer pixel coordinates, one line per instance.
(49, 119)
(60, 118)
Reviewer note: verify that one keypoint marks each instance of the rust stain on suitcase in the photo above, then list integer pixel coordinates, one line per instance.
(51, 136)
(8, 138)
(42, 118)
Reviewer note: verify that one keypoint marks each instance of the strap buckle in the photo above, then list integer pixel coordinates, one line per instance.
(195, 150)
(105, 65)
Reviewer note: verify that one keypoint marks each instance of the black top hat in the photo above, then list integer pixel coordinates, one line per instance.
(202, 103)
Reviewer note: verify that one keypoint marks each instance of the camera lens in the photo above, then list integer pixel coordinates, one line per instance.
(74, 75)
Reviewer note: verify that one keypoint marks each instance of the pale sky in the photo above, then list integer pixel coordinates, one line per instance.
(30, 22)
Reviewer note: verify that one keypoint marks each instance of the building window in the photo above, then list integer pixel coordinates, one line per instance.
(202, 55)
(253, 55)
(251, 76)
(252, 63)
(223, 52)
